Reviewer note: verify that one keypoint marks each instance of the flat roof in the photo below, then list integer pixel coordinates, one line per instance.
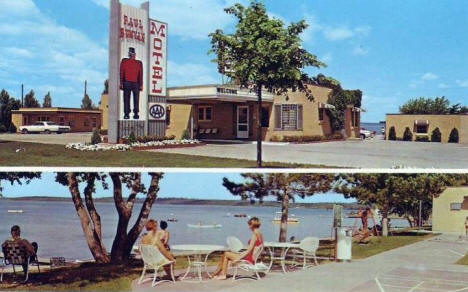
(55, 109)
(455, 115)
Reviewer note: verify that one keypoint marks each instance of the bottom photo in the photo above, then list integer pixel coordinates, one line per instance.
(211, 231)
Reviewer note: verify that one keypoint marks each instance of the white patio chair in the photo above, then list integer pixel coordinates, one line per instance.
(234, 244)
(153, 259)
(309, 246)
(2, 268)
(256, 267)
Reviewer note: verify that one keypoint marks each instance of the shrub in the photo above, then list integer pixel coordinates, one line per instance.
(454, 137)
(436, 135)
(12, 128)
(186, 135)
(334, 136)
(392, 134)
(275, 139)
(421, 139)
(3, 129)
(407, 135)
(131, 138)
(96, 138)
(103, 132)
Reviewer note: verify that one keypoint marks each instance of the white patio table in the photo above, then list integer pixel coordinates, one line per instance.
(284, 247)
(194, 254)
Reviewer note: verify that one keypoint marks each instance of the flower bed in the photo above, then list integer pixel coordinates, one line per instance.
(134, 146)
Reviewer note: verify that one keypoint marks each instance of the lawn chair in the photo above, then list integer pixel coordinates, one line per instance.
(17, 255)
(2, 268)
(234, 244)
(309, 246)
(256, 267)
(155, 260)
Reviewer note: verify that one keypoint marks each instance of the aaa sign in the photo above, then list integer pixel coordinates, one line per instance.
(157, 111)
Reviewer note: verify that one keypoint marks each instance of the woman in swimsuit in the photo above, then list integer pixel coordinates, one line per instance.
(255, 242)
(153, 238)
(164, 234)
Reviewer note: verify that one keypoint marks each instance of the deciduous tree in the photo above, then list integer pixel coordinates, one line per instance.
(91, 221)
(7, 104)
(30, 100)
(263, 54)
(17, 177)
(281, 186)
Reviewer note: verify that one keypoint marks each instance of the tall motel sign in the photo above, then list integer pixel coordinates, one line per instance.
(137, 72)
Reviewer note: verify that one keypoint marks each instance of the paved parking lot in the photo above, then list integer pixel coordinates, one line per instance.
(49, 138)
(374, 153)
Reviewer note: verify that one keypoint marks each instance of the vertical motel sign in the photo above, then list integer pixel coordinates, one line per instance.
(137, 72)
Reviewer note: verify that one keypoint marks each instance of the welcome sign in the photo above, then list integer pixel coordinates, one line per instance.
(137, 72)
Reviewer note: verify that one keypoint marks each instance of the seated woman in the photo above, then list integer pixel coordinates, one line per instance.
(153, 238)
(255, 242)
(164, 234)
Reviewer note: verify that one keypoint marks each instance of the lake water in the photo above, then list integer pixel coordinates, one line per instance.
(57, 229)
(377, 127)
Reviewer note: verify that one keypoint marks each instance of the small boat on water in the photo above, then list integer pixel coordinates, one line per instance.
(172, 220)
(291, 219)
(240, 215)
(15, 211)
(199, 225)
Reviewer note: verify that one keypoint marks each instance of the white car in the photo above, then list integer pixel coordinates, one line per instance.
(366, 134)
(44, 127)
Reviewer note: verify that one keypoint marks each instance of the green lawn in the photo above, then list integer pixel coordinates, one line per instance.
(463, 260)
(36, 154)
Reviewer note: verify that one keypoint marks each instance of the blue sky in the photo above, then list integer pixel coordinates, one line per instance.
(392, 50)
(173, 185)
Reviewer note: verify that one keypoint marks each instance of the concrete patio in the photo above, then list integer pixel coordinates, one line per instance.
(423, 266)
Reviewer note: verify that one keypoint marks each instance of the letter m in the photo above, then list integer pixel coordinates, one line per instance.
(161, 31)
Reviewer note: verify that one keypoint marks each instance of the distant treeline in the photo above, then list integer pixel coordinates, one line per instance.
(184, 201)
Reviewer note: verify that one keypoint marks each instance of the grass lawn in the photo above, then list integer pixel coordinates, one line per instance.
(36, 154)
(463, 260)
(378, 245)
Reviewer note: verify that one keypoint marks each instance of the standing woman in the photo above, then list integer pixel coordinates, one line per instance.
(164, 234)
(255, 242)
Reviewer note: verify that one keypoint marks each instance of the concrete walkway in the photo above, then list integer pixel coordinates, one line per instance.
(371, 153)
(423, 266)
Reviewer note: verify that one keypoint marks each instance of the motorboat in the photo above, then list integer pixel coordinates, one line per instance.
(291, 219)
(199, 225)
(15, 211)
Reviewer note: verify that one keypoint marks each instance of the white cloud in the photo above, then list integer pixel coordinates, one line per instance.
(187, 18)
(443, 85)
(327, 58)
(41, 51)
(429, 76)
(360, 51)
(191, 74)
(462, 83)
(338, 33)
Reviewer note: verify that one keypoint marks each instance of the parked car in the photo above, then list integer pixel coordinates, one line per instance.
(45, 127)
(366, 133)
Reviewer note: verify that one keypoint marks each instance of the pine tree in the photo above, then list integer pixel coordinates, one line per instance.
(30, 100)
(87, 103)
(47, 100)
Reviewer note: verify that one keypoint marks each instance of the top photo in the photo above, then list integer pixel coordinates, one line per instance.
(234, 84)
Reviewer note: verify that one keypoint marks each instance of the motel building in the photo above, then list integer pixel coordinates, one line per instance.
(450, 210)
(224, 112)
(79, 120)
(421, 126)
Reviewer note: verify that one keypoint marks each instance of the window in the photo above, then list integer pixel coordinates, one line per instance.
(455, 206)
(71, 123)
(321, 112)
(354, 118)
(288, 117)
(94, 122)
(265, 117)
(205, 113)
(168, 116)
(62, 121)
(422, 129)
(86, 122)
(44, 118)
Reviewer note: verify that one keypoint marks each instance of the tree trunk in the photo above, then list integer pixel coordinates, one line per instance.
(284, 218)
(93, 236)
(385, 222)
(120, 239)
(259, 125)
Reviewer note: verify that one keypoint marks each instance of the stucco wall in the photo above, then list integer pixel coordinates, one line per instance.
(17, 120)
(445, 123)
(445, 220)
(179, 120)
(311, 124)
